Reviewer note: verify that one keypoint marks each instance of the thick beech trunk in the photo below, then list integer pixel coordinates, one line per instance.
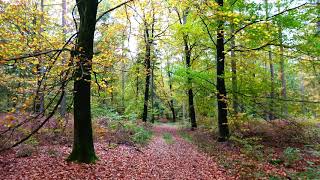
(83, 149)
(221, 87)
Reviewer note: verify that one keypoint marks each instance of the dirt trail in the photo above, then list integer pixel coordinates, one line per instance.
(179, 160)
(159, 160)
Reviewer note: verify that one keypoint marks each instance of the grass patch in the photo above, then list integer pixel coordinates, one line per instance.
(186, 136)
(168, 138)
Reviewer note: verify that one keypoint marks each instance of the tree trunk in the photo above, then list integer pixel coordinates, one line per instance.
(152, 92)
(302, 90)
(171, 102)
(221, 87)
(282, 70)
(234, 74)
(63, 104)
(192, 113)
(282, 75)
(272, 93)
(83, 148)
(171, 99)
(137, 83)
(39, 100)
(187, 53)
(147, 64)
(123, 80)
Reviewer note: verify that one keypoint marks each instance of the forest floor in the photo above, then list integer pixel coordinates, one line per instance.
(167, 156)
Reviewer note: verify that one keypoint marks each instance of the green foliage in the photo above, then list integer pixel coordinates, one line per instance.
(291, 155)
(310, 174)
(32, 141)
(142, 136)
(250, 146)
(168, 138)
(100, 110)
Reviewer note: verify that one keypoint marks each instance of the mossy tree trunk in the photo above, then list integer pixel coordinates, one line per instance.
(83, 149)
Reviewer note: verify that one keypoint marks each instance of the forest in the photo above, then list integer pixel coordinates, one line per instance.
(160, 89)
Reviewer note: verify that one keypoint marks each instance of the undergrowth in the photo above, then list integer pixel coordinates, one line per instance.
(289, 147)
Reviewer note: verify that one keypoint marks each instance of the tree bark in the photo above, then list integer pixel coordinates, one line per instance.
(282, 74)
(192, 113)
(187, 54)
(137, 83)
(83, 148)
(152, 92)
(171, 94)
(39, 100)
(63, 104)
(234, 74)
(147, 65)
(272, 92)
(282, 69)
(221, 87)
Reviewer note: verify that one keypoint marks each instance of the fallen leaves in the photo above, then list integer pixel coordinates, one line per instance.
(158, 160)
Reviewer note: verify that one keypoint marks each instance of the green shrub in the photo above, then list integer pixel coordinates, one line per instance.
(309, 174)
(100, 110)
(32, 141)
(291, 155)
(250, 146)
(141, 135)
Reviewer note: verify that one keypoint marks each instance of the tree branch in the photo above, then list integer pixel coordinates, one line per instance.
(112, 9)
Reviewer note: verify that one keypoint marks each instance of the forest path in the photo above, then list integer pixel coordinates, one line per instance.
(176, 159)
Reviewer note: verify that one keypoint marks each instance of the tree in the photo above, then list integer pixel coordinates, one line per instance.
(187, 56)
(235, 100)
(83, 148)
(148, 40)
(221, 87)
